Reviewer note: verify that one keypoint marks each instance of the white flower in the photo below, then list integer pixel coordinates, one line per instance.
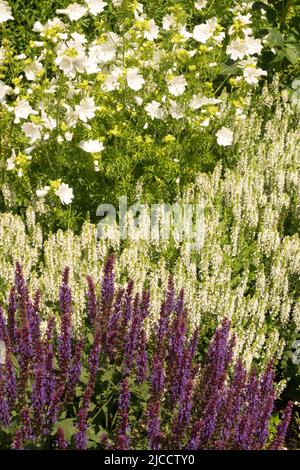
(176, 110)
(43, 191)
(198, 101)
(32, 70)
(23, 110)
(152, 31)
(95, 6)
(91, 146)
(250, 72)
(86, 109)
(203, 32)
(111, 82)
(168, 22)
(71, 58)
(254, 46)
(237, 49)
(65, 193)
(32, 131)
(10, 162)
(224, 136)
(5, 12)
(200, 4)
(177, 85)
(154, 110)
(4, 89)
(74, 11)
(296, 84)
(135, 80)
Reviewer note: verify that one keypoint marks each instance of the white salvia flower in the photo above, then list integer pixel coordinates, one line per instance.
(200, 4)
(152, 31)
(32, 70)
(224, 136)
(86, 109)
(177, 85)
(32, 131)
(65, 193)
(2, 345)
(5, 12)
(91, 146)
(95, 6)
(23, 110)
(203, 32)
(74, 11)
(135, 80)
(4, 90)
(154, 110)
(43, 191)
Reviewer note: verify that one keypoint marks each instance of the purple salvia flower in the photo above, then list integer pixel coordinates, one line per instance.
(80, 437)
(10, 380)
(114, 324)
(4, 407)
(123, 440)
(17, 443)
(282, 427)
(11, 320)
(38, 397)
(92, 303)
(128, 303)
(131, 341)
(74, 371)
(65, 338)
(61, 443)
(3, 329)
(142, 358)
(27, 431)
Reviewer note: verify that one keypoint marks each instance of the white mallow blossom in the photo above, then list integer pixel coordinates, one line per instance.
(65, 193)
(152, 31)
(154, 110)
(23, 110)
(251, 73)
(74, 11)
(91, 146)
(5, 12)
(176, 110)
(32, 131)
(203, 32)
(239, 48)
(32, 70)
(168, 22)
(42, 192)
(200, 4)
(111, 82)
(176, 85)
(135, 80)
(224, 136)
(71, 58)
(10, 162)
(86, 109)
(4, 90)
(95, 6)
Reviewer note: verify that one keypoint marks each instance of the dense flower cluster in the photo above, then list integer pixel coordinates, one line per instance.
(180, 406)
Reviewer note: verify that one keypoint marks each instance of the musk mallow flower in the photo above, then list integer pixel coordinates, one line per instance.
(154, 110)
(65, 193)
(95, 6)
(23, 110)
(200, 4)
(224, 136)
(239, 48)
(251, 73)
(32, 70)
(74, 11)
(91, 146)
(71, 58)
(203, 32)
(4, 90)
(176, 84)
(135, 80)
(5, 12)
(151, 31)
(86, 109)
(32, 131)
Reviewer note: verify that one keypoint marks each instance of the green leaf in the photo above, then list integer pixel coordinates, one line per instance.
(68, 427)
(275, 38)
(292, 52)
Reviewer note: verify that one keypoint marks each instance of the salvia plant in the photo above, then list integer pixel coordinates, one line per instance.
(115, 386)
